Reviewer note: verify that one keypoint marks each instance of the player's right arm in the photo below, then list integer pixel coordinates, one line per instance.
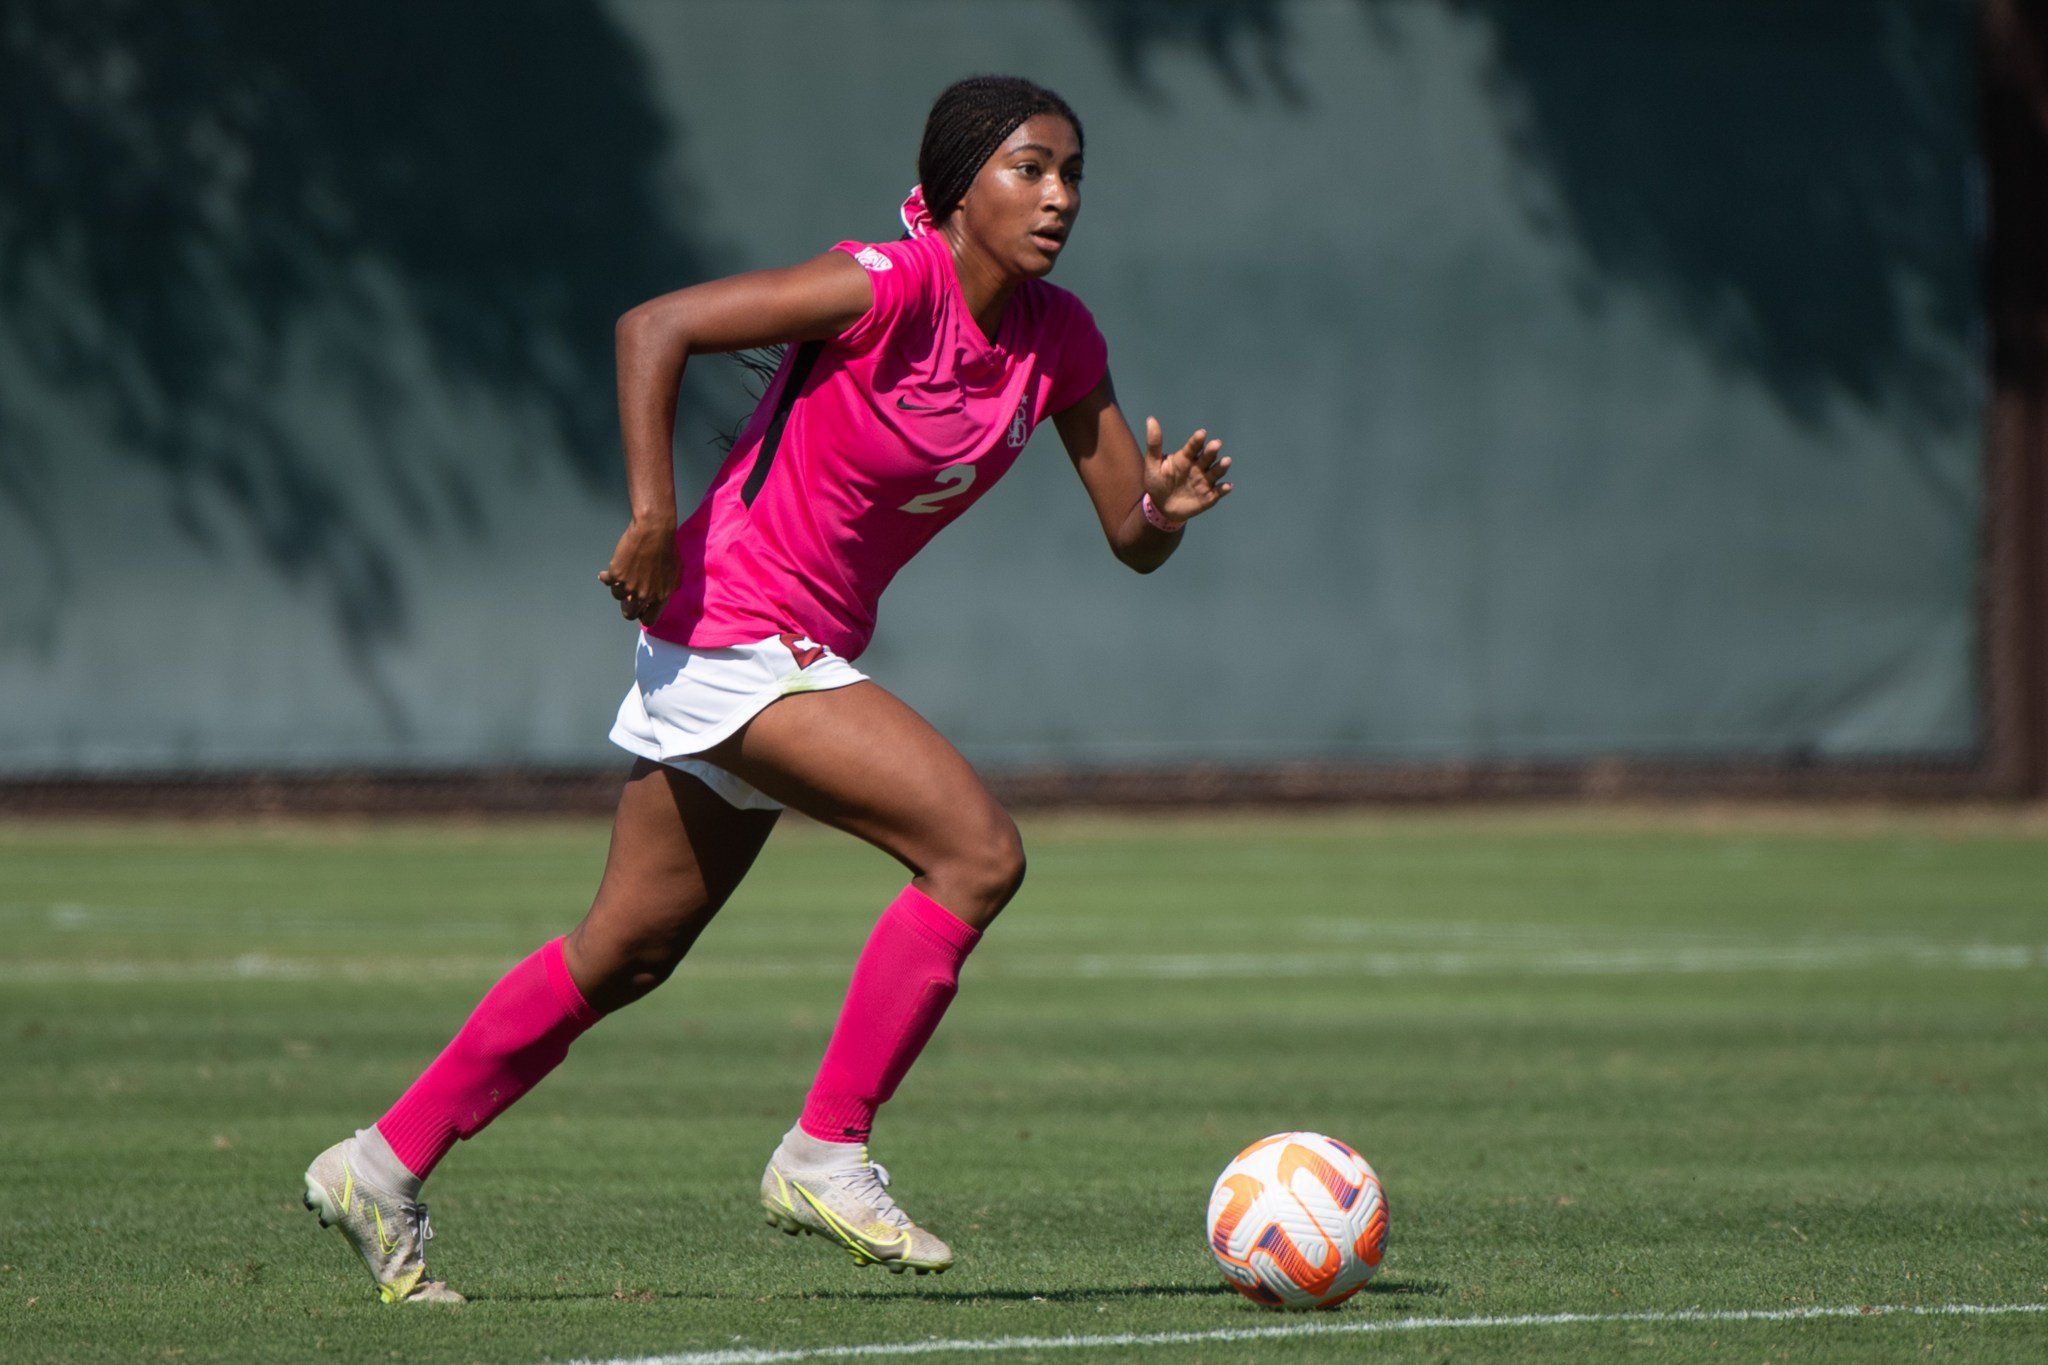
(813, 301)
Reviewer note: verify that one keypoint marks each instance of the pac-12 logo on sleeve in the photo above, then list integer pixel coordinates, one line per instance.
(874, 260)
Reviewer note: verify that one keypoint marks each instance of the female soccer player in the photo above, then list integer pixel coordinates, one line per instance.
(916, 372)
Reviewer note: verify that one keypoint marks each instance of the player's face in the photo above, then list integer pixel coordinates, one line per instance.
(1023, 201)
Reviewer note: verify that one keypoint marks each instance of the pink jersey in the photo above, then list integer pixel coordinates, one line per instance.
(902, 422)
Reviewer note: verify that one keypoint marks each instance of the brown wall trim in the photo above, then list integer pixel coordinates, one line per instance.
(594, 792)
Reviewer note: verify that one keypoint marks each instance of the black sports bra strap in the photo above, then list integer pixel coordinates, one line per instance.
(799, 371)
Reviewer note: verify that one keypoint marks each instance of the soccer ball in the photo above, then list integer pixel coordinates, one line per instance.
(1298, 1220)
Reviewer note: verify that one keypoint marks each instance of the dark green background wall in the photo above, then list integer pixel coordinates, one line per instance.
(1603, 376)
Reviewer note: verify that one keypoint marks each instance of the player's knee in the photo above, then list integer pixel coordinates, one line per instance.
(992, 866)
(632, 959)
(1014, 863)
(643, 964)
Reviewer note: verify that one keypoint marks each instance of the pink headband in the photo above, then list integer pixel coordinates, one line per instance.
(917, 219)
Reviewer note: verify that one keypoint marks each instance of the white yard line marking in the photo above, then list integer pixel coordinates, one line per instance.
(76, 916)
(1648, 961)
(760, 1356)
(247, 967)
(1834, 956)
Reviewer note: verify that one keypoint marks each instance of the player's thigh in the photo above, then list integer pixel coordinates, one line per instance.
(860, 759)
(678, 851)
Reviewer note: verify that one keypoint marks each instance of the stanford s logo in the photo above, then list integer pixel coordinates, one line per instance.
(802, 648)
(1020, 425)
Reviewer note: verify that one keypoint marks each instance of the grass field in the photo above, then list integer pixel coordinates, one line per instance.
(1611, 1066)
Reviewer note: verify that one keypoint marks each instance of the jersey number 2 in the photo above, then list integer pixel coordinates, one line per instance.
(953, 481)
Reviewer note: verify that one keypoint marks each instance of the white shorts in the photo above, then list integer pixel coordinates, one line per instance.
(685, 700)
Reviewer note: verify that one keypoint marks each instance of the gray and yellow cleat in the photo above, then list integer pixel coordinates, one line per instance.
(850, 1205)
(391, 1233)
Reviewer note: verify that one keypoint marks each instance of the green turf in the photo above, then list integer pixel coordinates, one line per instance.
(1601, 1067)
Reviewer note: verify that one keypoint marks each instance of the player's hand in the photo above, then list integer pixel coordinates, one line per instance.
(1189, 481)
(643, 570)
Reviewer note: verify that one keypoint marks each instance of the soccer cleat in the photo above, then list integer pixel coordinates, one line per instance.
(391, 1233)
(850, 1205)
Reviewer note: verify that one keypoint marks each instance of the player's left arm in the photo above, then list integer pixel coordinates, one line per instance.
(1117, 474)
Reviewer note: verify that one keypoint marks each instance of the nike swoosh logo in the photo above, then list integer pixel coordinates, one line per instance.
(907, 406)
(846, 1232)
(385, 1244)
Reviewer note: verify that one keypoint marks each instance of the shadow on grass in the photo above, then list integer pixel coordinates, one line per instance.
(911, 1289)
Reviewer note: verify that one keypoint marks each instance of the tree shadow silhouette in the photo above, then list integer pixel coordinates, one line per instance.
(202, 202)
(1787, 182)
(1246, 42)
(184, 184)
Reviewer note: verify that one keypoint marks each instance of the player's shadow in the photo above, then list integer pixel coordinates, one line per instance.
(920, 1289)
(1128, 1291)
(903, 1287)
(1208, 1289)
(1391, 1288)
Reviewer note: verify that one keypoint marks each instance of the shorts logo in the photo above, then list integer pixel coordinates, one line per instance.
(802, 648)
(874, 260)
(1020, 425)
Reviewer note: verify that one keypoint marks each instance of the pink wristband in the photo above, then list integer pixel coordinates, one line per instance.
(1157, 517)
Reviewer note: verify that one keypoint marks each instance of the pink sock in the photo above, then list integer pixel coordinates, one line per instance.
(518, 1033)
(905, 978)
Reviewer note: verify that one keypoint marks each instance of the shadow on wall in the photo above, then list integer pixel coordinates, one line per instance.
(1246, 42)
(1781, 178)
(183, 184)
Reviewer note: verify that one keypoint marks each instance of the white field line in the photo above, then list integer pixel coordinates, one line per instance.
(81, 917)
(990, 1346)
(1837, 956)
(249, 967)
(77, 917)
(1647, 961)
(1439, 937)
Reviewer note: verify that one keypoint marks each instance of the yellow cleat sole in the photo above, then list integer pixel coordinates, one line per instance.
(778, 1218)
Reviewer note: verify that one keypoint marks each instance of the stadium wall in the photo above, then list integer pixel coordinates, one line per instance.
(1608, 386)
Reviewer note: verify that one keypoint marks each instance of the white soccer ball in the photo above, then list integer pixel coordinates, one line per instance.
(1298, 1220)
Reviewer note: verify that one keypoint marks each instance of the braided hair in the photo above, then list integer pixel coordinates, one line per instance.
(968, 121)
